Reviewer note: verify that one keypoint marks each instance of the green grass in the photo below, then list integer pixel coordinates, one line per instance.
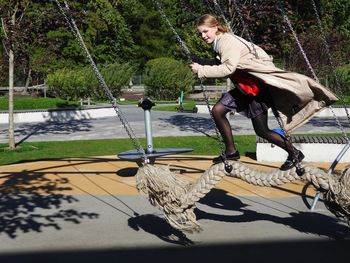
(202, 145)
(345, 101)
(54, 103)
(38, 103)
(187, 105)
(30, 151)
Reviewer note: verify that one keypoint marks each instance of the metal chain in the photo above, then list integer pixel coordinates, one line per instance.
(222, 15)
(178, 38)
(246, 30)
(274, 110)
(228, 167)
(285, 17)
(323, 36)
(245, 27)
(218, 135)
(73, 27)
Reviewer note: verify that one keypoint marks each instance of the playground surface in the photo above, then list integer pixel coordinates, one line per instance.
(88, 209)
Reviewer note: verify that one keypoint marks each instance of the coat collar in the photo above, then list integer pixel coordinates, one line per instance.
(216, 43)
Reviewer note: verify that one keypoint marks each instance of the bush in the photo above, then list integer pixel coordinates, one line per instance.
(343, 74)
(73, 84)
(116, 76)
(70, 84)
(165, 77)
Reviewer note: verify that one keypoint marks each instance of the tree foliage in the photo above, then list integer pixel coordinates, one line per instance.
(166, 77)
(79, 83)
(132, 31)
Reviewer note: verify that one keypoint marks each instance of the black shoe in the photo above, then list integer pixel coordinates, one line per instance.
(233, 156)
(292, 161)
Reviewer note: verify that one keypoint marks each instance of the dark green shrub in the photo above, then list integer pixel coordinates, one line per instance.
(78, 83)
(71, 84)
(165, 77)
(116, 76)
(343, 74)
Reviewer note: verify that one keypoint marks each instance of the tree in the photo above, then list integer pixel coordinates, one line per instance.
(12, 15)
(133, 31)
(166, 77)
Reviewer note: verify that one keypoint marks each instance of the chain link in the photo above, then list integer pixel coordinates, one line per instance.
(323, 36)
(188, 54)
(245, 27)
(178, 38)
(74, 29)
(285, 17)
(222, 15)
(218, 135)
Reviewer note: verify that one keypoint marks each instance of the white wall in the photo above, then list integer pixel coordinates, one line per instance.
(58, 115)
(314, 152)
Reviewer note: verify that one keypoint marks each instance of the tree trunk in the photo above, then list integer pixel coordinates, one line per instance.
(11, 119)
(25, 90)
(12, 144)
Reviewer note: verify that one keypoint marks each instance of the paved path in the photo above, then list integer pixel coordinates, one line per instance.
(88, 210)
(163, 124)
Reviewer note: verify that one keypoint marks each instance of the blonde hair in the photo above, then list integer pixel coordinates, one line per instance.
(211, 21)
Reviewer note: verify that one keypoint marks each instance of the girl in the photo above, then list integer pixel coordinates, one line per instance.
(259, 86)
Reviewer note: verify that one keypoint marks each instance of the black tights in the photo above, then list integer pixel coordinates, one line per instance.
(260, 126)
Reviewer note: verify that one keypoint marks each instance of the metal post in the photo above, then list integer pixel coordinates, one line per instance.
(147, 104)
(148, 130)
(330, 169)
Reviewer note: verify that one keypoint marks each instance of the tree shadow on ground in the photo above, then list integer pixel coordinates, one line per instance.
(192, 123)
(203, 125)
(305, 222)
(30, 201)
(27, 130)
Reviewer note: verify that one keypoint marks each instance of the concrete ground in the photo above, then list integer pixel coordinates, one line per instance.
(89, 210)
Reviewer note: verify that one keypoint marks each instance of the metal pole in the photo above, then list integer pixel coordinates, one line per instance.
(330, 169)
(146, 104)
(148, 130)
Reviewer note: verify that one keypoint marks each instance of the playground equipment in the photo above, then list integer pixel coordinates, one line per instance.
(176, 196)
(146, 104)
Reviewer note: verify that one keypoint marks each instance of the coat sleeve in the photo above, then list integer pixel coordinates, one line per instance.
(229, 52)
(205, 61)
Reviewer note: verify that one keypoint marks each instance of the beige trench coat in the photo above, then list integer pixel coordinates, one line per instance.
(296, 97)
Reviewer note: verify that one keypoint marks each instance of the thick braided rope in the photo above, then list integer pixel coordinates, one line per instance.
(164, 190)
(177, 197)
(316, 176)
(337, 198)
(204, 184)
